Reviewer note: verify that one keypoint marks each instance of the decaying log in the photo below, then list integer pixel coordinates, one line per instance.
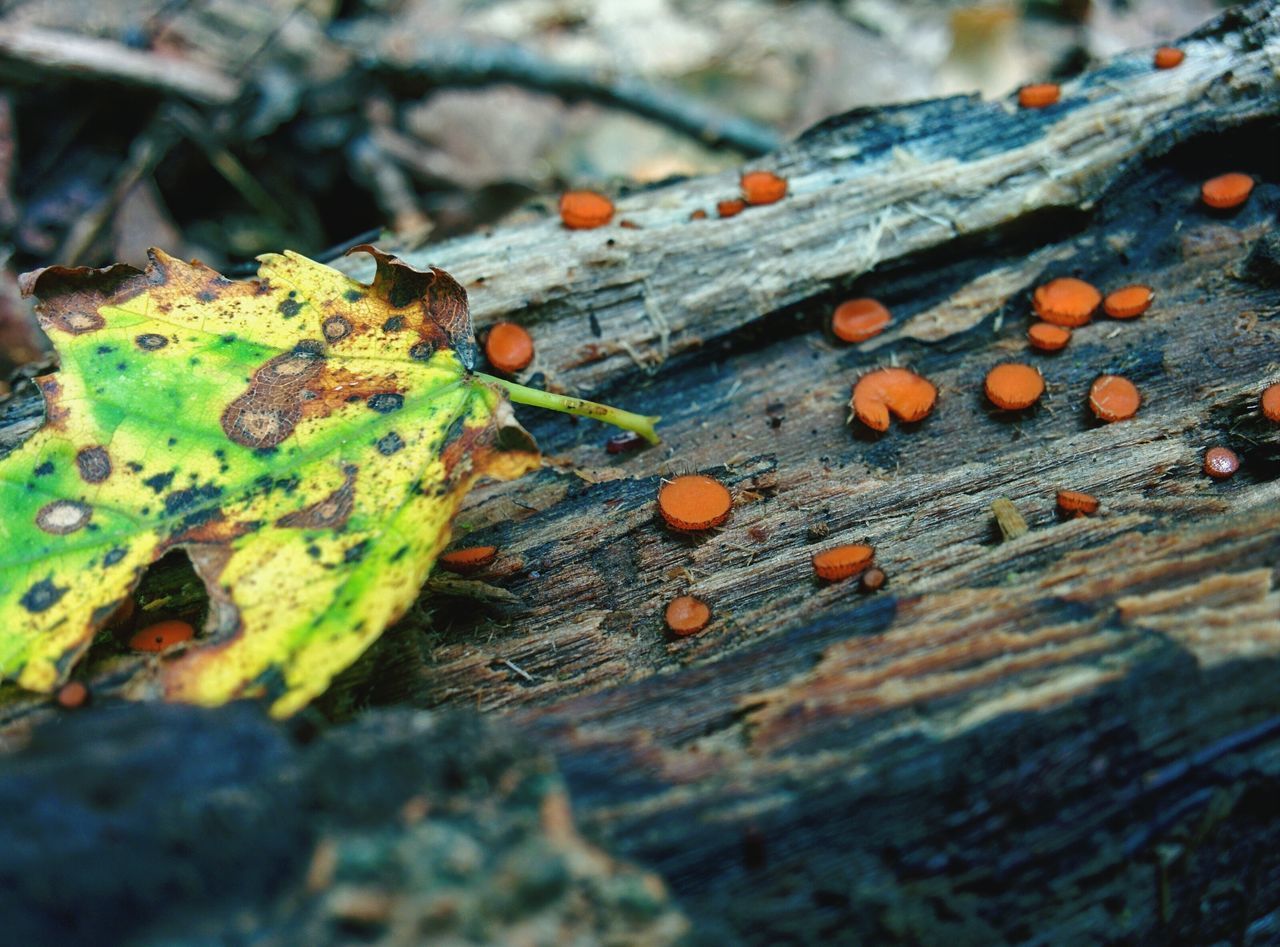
(1069, 736)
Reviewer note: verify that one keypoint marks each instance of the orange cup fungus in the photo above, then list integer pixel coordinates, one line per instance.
(509, 347)
(1047, 337)
(1066, 301)
(1014, 386)
(857, 320)
(1221, 462)
(72, 695)
(1226, 190)
(901, 391)
(162, 636)
(873, 580)
(763, 187)
(831, 565)
(731, 208)
(687, 615)
(464, 561)
(1076, 503)
(694, 502)
(1270, 403)
(585, 210)
(1128, 301)
(1113, 398)
(698, 214)
(1167, 57)
(1039, 95)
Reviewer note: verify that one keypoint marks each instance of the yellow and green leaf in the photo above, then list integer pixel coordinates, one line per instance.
(304, 437)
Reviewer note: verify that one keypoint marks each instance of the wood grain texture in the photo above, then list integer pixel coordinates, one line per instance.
(1069, 737)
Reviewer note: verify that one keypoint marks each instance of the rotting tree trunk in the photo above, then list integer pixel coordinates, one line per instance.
(1071, 736)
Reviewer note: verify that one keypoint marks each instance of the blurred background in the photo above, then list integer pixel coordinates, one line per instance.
(219, 129)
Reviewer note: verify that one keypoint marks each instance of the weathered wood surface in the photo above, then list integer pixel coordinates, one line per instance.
(1067, 737)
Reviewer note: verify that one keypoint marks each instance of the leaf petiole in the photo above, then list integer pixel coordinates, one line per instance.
(627, 420)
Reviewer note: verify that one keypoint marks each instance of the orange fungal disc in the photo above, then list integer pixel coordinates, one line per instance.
(687, 615)
(901, 391)
(698, 214)
(585, 210)
(1226, 190)
(857, 320)
(763, 187)
(509, 347)
(1014, 386)
(1077, 503)
(1167, 57)
(1113, 398)
(1047, 337)
(463, 561)
(694, 502)
(162, 635)
(873, 580)
(1066, 301)
(1128, 301)
(1270, 403)
(1221, 462)
(72, 695)
(731, 208)
(842, 562)
(1039, 95)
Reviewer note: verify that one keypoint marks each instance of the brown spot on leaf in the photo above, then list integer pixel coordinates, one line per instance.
(436, 303)
(94, 464)
(330, 513)
(63, 516)
(269, 410)
(55, 414)
(70, 296)
(149, 341)
(336, 328)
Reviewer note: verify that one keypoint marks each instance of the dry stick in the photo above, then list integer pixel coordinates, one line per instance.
(147, 151)
(452, 61)
(228, 165)
(62, 53)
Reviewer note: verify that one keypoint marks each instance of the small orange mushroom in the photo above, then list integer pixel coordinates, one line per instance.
(585, 210)
(687, 615)
(1076, 503)
(857, 320)
(1047, 337)
(698, 214)
(873, 580)
(1167, 57)
(763, 187)
(694, 502)
(731, 208)
(1114, 398)
(1221, 462)
(509, 347)
(1128, 301)
(464, 561)
(901, 391)
(1270, 403)
(841, 562)
(1039, 95)
(1066, 301)
(1226, 190)
(72, 695)
(162, 635)
(1014, 386)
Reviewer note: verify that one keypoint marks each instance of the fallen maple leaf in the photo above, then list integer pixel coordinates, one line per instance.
(304, 437)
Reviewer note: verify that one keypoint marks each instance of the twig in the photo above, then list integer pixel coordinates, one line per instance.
(88, 58)
(441, 61)
(228, 165)
(147, 151)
